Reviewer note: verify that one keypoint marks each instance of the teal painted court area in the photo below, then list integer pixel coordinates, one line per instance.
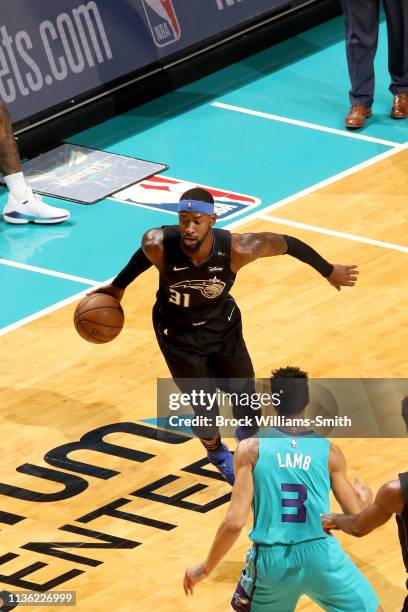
(29, 292)
(301, 80)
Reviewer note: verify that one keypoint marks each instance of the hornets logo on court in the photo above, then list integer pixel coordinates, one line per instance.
(210, 289)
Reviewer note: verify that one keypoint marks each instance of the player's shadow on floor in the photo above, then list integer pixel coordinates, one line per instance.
(380, 583)
(229, 571)
(43, 408)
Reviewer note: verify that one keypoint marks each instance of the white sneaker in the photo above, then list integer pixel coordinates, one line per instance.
(33, 210)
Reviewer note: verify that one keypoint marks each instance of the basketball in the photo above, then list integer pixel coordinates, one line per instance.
(99, 318)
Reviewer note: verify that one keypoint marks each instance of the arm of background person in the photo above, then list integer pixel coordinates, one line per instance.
(388, 501)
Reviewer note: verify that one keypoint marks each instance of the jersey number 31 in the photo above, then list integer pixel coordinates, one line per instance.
(181, 299)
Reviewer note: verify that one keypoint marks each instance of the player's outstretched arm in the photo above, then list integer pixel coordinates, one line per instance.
(388, 501)
(231, 527)
(149, 254)
(245, 248)
(351, 498)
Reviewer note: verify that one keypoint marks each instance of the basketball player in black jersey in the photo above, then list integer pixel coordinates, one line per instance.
(196, 320)
(392, 498)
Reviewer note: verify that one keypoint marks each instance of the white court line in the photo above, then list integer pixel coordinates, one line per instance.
(305, 124)
(234, 224)
(329, 232)
(320, 185)
(22, 266)
(45, 311)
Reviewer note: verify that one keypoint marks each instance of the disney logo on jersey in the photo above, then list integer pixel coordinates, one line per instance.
(163, 21)
(215, 269)
(210, 289)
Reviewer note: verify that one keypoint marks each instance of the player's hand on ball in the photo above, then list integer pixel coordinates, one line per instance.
(364, 493)
(115, 292)
(343, 276)
(193, 574)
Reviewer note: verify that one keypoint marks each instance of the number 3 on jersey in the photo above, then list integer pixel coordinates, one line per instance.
(291, 502)
(181, 299)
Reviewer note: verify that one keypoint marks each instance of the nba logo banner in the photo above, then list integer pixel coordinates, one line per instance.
(163, 21)
(163, 193)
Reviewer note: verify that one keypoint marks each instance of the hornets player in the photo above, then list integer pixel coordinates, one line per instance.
(196, 320)
(286, 475)
(392, 498)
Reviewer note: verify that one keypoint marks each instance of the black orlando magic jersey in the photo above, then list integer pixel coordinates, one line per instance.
(402, 519)
(190, 294)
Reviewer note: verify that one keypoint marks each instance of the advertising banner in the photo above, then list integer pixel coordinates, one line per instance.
(52, 52)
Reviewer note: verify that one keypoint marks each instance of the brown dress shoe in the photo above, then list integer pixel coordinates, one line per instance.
(400, 106)
(356, 117)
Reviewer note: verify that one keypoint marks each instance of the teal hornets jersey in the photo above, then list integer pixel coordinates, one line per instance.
(291, 488)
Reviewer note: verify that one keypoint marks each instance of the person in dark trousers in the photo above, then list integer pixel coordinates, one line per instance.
(362, 24)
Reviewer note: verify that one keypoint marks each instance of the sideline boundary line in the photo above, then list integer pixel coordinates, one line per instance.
(329, 232)
(317, 186)
(48, 272)
(233, 225)
(48, 309)
(304, 124)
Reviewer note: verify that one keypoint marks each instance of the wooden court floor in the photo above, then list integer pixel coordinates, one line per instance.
(55, 388)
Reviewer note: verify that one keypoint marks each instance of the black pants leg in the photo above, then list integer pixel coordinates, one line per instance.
(362, 24)
(234, 373)
(397, 27)
(206, 358)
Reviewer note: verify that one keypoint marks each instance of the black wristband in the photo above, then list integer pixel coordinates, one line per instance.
(138, 264)
(302, 251)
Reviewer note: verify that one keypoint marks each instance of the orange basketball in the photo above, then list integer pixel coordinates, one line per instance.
(99, 318)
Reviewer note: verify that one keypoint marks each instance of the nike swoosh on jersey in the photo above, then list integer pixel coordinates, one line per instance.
(232, 311)
(176, 269)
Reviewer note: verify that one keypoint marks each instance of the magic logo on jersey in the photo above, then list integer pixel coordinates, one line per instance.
(163, 193)
(210, 289)
(163, 21)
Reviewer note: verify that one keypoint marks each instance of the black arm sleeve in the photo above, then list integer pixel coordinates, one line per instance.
(302, 251)
(138, 264)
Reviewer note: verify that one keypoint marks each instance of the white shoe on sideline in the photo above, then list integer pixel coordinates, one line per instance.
(33, 210)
